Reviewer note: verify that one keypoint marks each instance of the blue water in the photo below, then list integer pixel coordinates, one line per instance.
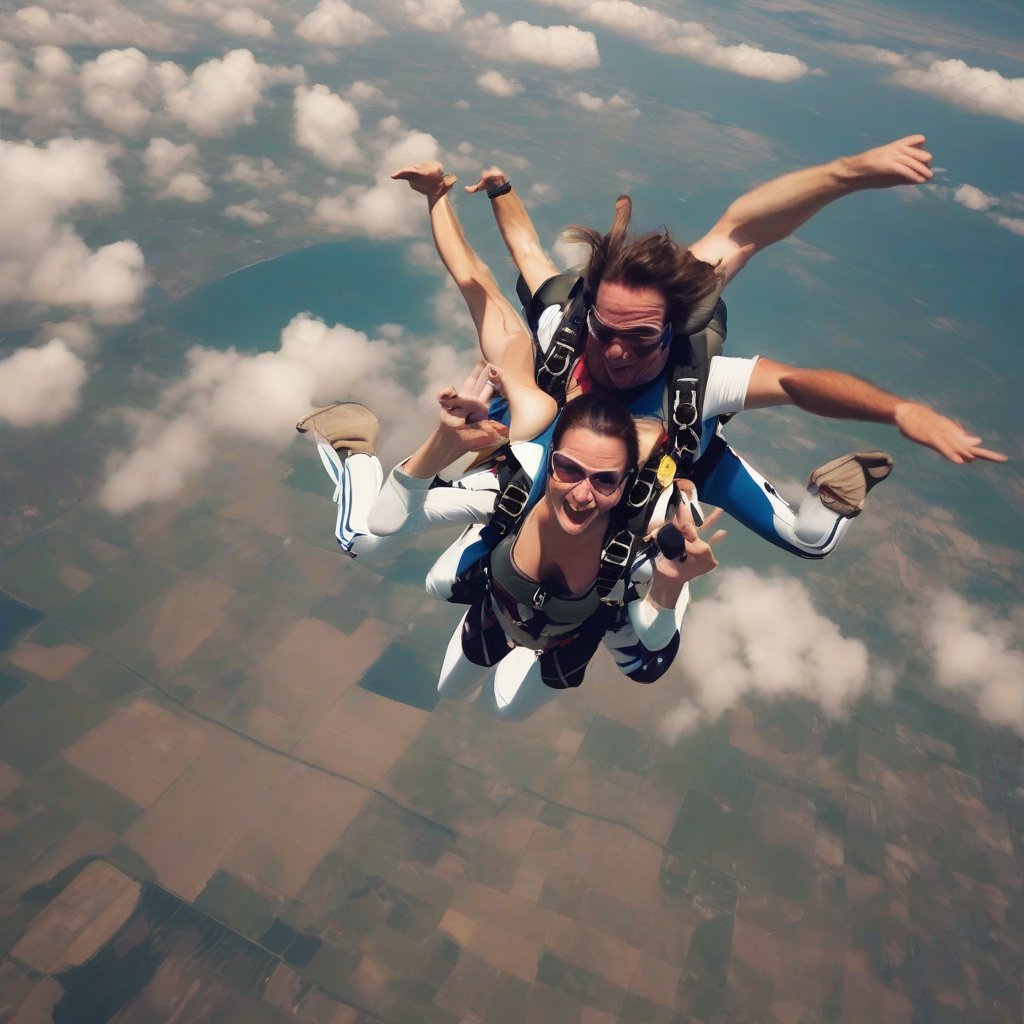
(360, 284)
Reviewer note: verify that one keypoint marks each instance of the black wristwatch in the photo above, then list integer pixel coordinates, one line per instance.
(493, 191)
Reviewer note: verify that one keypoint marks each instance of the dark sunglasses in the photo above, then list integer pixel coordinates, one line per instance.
(642, 341)
(569, 471)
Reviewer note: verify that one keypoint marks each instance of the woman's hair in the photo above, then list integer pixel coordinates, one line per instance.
(652, 260)
(604, 415)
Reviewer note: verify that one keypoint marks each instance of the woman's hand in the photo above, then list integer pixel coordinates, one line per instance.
(428, 179)
(670, 574)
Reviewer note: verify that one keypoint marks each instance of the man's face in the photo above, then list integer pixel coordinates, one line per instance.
(624, 362)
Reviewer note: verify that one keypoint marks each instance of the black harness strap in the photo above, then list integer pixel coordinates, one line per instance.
(553, 366)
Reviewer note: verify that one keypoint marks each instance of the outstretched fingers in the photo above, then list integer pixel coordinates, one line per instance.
(493, 177)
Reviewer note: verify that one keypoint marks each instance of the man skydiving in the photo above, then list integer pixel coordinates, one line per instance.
(618, 326)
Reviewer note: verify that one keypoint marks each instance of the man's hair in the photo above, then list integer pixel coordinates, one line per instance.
(602, 414)
(652, 260)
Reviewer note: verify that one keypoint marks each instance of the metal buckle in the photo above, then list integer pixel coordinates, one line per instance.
(617, 552)
(646, 480)
(566, 356)
(539, 598)
(690, 407)
(511, 503)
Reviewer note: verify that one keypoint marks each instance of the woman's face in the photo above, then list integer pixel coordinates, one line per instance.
(577, 505)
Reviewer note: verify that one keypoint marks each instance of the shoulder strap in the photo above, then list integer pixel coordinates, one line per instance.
(689, 365)
(555, 291)
(555, 365)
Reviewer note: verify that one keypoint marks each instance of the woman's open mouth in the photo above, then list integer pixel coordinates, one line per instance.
(577, 516)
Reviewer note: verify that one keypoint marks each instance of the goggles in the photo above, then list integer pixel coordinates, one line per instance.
(569, 471)
(641, 341)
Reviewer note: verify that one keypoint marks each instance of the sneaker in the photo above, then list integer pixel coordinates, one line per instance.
(843, 484)
(358, 482)
(344, 426)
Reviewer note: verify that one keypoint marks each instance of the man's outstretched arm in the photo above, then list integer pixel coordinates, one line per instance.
(776, 209)
(842, 396)
(517, 230)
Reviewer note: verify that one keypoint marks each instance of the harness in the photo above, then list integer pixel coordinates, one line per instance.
(689, 363)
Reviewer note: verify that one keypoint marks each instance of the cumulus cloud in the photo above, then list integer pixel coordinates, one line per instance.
(176, 167)
(78, 335)
(324, 125)
(40, 386)
(1014, 224)
(251, 213)
(973, 198)
(88, 23)
(42, 259)
(567, 255)
(119, 89)
(973, 652)
(42, 91)
(259, 397)
(587, 102)
(243, 21)
(765, 636)
(259, 173)
(389, 209)
(363, 92)
(688, 39)
(432, 15)
(498, 84)
(223, 92)
(976, 89)
(334, 23)
(558, 46)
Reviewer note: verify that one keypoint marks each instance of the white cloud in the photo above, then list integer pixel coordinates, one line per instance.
(78, 335)
(243, 21)
(687, 39)
(334, 23)
(1014, 224)
(40, 386)
(765, 636)
(558, 46)
(569, 254)
(257, 173)
(324, 125)
(252, 213)
(119, 89)
(258, 397)
(587, 102)
(432, 15)
(363, 92)
(872, 54)
(973, 198)
(976, 89)
(972, 653)
(100, 23)
(176, 167)
(222, 93)
(390, 209)
(42, 92)
(498, 84)
(42, 259)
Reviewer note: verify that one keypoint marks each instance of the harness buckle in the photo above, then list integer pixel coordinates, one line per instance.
(539, 598)
(640, 493)
(616, 552)
(512, 501)
(684, 413)
(559, 358)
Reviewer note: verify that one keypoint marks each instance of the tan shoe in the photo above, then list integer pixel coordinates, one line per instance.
(843, 483)
(344, 426)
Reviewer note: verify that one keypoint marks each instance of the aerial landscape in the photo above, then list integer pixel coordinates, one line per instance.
(230, 790)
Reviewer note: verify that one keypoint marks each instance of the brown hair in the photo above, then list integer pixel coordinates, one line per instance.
(652, 260)
(602, 414)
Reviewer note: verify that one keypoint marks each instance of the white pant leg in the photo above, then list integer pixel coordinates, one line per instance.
(460, 678)
(516, 690)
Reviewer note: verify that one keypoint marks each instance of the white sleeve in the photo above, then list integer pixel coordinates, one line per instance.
(407, 503)
(728, 380)
(655, 627)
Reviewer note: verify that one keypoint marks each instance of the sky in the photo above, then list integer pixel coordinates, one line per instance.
(149, 149)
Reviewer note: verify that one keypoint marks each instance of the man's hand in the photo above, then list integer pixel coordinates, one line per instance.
(428, 179)
(925, 426)
(493, 177)
(464, 418)
(902, 162)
